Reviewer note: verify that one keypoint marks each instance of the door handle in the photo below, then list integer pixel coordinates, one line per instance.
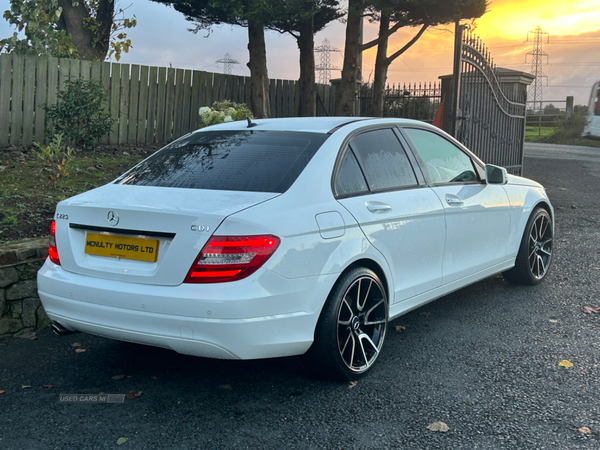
(454, 200)
(378, 208)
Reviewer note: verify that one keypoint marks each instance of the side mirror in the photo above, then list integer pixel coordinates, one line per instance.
(495, 174)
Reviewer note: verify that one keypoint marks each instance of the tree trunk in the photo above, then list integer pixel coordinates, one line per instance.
(346, 96)
(257, 64)
(91, 45)
(382, 63)
(381, 66)
(306, 82)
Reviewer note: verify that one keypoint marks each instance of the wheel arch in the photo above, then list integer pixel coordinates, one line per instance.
(375, 267)
(523, 204)
(369, 264)
(546, 205)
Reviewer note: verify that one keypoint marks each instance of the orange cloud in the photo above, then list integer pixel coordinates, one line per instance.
(510, 19)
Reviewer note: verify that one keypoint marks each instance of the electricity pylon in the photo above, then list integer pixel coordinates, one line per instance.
(534, 93)
(325, 66)
(228, 63)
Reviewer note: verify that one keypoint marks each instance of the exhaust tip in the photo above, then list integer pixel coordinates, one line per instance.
(60, 330)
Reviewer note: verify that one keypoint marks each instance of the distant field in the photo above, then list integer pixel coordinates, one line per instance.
(533, 134)
(535, 131)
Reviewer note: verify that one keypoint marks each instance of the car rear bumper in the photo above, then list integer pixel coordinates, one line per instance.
(270, 317)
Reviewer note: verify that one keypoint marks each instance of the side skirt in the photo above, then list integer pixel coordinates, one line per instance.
(417, 301)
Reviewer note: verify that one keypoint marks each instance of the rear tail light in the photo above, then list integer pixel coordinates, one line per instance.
(52, 250)
(230, 258)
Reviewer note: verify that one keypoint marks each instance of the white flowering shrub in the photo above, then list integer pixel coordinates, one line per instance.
(225, 111)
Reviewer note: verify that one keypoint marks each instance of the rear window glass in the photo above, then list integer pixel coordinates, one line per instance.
(383, 160)
(258, 161)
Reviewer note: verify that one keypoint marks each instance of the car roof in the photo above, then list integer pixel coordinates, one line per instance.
(304, 124)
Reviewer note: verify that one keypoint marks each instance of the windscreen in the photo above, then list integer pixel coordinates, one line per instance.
(258, 161)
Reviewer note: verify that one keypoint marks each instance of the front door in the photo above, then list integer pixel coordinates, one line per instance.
(477, 214)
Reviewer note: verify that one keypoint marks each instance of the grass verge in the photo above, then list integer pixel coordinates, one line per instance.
(28, 198)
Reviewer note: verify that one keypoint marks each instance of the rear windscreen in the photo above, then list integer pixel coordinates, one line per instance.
(259, 161)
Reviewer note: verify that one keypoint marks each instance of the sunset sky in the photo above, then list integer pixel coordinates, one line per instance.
(161, 38)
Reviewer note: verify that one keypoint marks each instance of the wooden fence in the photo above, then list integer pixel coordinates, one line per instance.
(149, 104)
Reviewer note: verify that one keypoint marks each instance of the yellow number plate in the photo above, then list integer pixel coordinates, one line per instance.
(120, 246)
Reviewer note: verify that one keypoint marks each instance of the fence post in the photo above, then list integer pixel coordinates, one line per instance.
(569, 110)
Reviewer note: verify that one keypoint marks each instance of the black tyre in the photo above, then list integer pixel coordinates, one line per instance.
(351, 328)
(535, 252)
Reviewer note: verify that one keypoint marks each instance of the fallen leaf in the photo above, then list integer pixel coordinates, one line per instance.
(2, 392)
(559, 207)
(227, 387)
(351, 384)
(48, 386)
(25, 386)
(75, 344)
(80, 350)
(129, 376)
(154, 378)
(118, 377)
(31, 336)
(591, 309)
(134, 394)
(583, 430)
(562, 189)
(553, 320)
(565, 363)
(400, 328)
(425, 314)
(122, 440)
(597, 268)
(438, 426)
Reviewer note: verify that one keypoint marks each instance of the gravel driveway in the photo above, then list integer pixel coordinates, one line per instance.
(484, 360)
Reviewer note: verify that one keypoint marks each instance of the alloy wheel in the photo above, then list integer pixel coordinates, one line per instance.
(540, 246)
(361, 323)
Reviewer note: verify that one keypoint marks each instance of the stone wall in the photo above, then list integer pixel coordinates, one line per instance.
(20, 307)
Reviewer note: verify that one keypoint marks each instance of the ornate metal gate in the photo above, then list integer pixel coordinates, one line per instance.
(487, 119)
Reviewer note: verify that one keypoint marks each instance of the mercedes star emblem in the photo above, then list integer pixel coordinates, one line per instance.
(113, 218)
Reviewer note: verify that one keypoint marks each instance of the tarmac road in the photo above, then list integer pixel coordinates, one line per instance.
(551, 151)
(484, 360)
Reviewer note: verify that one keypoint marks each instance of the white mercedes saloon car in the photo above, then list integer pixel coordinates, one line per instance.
(281, 237)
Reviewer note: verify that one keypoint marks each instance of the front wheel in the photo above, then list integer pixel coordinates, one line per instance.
(351, 328)
(535, 251)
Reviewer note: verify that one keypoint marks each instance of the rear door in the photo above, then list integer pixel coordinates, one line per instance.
(400, 216)
(477, 214)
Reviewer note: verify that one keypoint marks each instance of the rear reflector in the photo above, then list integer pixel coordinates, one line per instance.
(52, 250)
(230, 258)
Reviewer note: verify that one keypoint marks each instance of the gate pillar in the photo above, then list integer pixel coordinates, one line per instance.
(514, 81)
